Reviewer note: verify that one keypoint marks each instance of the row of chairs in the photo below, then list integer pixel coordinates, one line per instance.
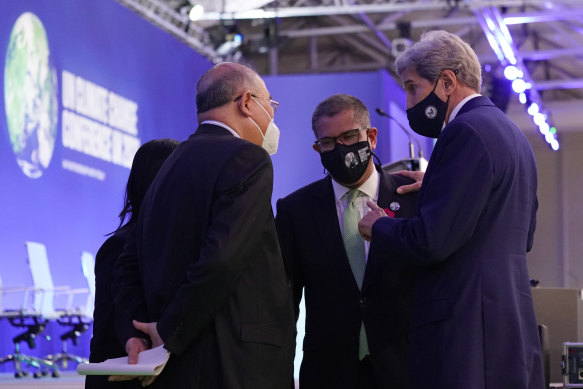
(39, 306)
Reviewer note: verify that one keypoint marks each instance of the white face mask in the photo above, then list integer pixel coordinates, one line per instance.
(271, 137)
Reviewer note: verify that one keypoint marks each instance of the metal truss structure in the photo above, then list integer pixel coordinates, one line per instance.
(316, 36)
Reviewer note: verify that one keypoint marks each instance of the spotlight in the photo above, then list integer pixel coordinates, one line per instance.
(533, 109)
(544, 128)
(512, 72)
(228, 39)
(549, 138)
(538, 118)
(196, 12)
(519, 85)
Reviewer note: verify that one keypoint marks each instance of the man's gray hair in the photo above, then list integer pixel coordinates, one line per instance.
(337, 103)
(220, 85)
(437, 51)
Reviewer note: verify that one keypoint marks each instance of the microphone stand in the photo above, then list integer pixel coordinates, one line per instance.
(411, 138)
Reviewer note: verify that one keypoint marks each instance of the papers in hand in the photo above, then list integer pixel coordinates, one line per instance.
(150, 362)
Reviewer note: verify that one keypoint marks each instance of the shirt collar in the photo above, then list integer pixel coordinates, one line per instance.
(457, 108)
(370, 187)
(221, 124)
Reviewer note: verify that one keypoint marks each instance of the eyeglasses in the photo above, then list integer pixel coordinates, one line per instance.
(347, 138)
(274, 104)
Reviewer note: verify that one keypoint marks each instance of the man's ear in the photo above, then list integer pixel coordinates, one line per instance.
(244, 103)
(449, 80)
(372, 137)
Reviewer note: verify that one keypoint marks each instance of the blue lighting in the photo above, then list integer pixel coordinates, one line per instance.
(533, 109)
(549, 137)
(495, 28)
(511, 72)
(490, 23)
(238, 38)
(538, 118)
(519, 85)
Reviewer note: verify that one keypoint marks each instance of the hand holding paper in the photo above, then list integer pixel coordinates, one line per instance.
(140, 363)
(150, 363)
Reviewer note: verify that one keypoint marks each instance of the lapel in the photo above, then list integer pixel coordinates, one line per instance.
(325, 218)
(387, 195)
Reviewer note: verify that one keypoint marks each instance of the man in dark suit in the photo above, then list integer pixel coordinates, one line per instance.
(473, 318)
(357, 309)
(205, 276)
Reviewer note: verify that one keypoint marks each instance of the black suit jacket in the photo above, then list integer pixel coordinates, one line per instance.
(310, 235)
(209, 268)
(104, 343)
(473, 317)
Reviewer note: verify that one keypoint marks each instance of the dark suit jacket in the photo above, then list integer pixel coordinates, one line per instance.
(310, 235)
(210, 268)
(474, 324)
(104, 343)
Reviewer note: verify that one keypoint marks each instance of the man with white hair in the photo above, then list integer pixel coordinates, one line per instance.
(473, 323)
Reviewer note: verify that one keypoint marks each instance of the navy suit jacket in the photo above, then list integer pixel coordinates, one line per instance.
(206, 265)
(309, 230)
(473, 319)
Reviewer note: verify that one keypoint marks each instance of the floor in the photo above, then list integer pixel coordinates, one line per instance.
(67, 380)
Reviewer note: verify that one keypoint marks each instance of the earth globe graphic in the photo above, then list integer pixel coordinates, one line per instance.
(30, 95)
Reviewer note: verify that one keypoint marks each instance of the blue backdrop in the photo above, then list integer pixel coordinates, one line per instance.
(106, 47)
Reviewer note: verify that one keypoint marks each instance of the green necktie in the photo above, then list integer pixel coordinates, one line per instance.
(354, 245)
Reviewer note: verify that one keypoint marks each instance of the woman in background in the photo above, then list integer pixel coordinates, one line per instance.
(104, 344)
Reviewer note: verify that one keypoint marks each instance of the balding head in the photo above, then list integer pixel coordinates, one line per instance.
(236, 96)
(222, 84)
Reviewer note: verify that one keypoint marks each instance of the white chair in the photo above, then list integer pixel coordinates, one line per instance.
(88, 266)
(24, 316)
(74, 317)
(78, 319)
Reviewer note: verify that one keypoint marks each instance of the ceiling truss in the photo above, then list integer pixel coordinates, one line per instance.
(307, 36)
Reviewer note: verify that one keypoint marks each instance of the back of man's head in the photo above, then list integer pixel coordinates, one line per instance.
(221, 84)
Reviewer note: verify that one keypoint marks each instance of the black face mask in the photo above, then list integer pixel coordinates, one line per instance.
(427, 116)
(347, 164)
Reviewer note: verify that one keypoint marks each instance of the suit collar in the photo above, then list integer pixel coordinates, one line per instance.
(212, 129)
(387, 189)
(475, 102)
(221, 124)
(460, 105)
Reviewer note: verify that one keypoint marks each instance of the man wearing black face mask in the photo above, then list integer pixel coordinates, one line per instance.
(356, 307)
(473, 320)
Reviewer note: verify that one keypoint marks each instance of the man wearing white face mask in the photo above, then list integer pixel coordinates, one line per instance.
(204, 275)
(271, 137)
